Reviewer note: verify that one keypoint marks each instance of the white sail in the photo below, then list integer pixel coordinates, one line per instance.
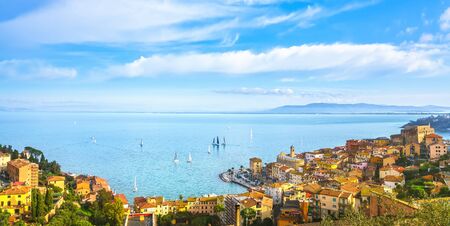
(209, 149)
(175, 159)
(93, 140)
(251, 134)
(189, 158)
(142, 143)
(135, 185)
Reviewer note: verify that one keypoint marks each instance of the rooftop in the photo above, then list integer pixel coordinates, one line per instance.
(19, 163)
(16, 190)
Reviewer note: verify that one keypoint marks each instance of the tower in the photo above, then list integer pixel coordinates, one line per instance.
(292, 151)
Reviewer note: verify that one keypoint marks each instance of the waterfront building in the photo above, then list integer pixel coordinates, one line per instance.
(416, 134)
(256, 166)
(57, 181)
(4, 159)
(290, 160)
(16, 200)
(21, 170)
(203, 205)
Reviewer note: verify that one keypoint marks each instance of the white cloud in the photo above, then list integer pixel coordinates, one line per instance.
(333, 61)
(25, 69)
(445, 20)
(258, 91)
(153, 21)
(304, 16)
(117, 21)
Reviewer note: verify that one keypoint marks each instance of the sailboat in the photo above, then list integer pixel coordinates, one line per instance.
(215, 142)
(135, 189)
(224, 142)
(175, 159)
(251, 134)
(189, 158)
(142, 143)
(209, 149)
(93, 140)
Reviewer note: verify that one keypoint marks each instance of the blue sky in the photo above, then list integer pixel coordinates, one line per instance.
(229, 55)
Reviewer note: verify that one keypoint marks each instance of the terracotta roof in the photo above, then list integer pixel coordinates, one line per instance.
(207, 199)
(350, 187)
(345, 195)
(16, 190)
(391, 178)
(122, 198)
(138, 200)
(433, 135)
(146, 205)
(312, 188)
(254, 159)
(56, 178)
(330, 192)
(248, 202)
(18, 163)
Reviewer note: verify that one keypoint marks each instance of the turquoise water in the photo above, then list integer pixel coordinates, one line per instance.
(117, 156)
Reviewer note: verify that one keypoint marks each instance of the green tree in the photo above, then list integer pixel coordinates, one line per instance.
(49, 199)
(20, 223)
(69, 214)
(219, 208)
(248, 214)
(114, 213)
(4, 217)
(434, 213)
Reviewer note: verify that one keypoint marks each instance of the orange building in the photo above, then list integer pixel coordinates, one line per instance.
(21, 170)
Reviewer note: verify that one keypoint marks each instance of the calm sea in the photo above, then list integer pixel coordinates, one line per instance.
(118, 157)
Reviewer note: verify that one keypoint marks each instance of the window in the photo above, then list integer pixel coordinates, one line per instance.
(334, 199)
(323, 204)
(323, 197)
(334, 206)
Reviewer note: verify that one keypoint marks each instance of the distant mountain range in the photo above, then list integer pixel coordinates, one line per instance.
(330, 108)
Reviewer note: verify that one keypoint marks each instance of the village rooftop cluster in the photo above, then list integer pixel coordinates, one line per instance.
(376, 176)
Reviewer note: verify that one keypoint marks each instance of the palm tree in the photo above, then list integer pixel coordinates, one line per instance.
(248, 213)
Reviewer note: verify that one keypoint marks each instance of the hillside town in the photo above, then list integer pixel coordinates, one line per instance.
(376, 177)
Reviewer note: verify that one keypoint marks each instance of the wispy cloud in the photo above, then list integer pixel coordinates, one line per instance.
(229, 41)
(26, 69)
(154, 21)
(289, 79)
(333, 61)
(258, 91)
(445, 20)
